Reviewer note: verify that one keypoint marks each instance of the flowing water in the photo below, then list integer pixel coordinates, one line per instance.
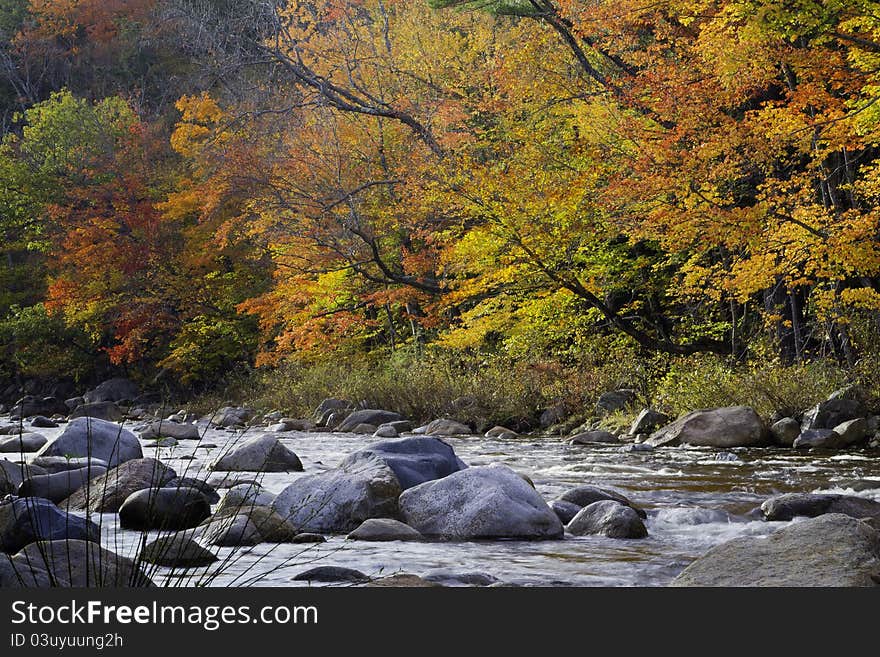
(694, 499)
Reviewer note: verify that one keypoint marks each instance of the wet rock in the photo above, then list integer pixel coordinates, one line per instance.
(60, 485)
(368, 416)
(452, 578)
(817, 438)
(403, 580)
(852, 432)
(385, 529)
(28, 519)
(482, 502)
(332, 574)
(647, 421)
(164, 509)
(785, 431)
(616, 400)
(166, 429)
(61, 463)
(243, 496)
(42, 422)
(339, 500)
(385, 431)
(306, 537)
(364, 429)
(98, 410)
(810, 505)
(830, 413)
(86, 437)
(113, 390)
(565, 511)
(202, 486)
(733, 426)
(608, 518)
(501, 432)
(832, 550)
(105, 494)
(22, 443)
(177, 551)
(591, 437)
(446, 427)
(413, 460)
(586, 495)
(263, 453)
(73, 563)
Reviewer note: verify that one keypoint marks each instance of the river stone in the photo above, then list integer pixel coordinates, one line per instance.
(97, 439)
(339, 500)
(553, 415)
(585, 495)
(647, 421)
(446, 427)
(98, 410)
(53, 464)
(113, 390)
(28, 519)
(30, 405)
(830, 413)
(817, 438)
(368, 416)
(42, 422)
(106, 494)
(385, 529)
(565, 511)
(588, 437)
(732, 426)
(331, 406)
(501, 432)
(12, 474)
(164, 509)
(22, 443)
(243, 496)
(246, 526)
(852, 432)
(60, 485)
(263, 453)
(616, 400)
(292, 424)
(332, 574)
(166, 429)
(833, 550)
(74, 563)
(385, 431)
(403, 580)
(810, 505)
(484, 502)
(364, 429)
(178, 550)
(450, 577)
(608, 518)
(307, 537)
(414, 460)
(230, 416)
(785, 431)
(202, 486)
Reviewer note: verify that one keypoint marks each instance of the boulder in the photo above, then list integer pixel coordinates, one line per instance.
(202, 486)
(446, 427)
(106, 493)
(166, 429)
(852, 432)
(385, 431)
(565, 511)
(28, 519)
(414, 460)
(828, 414)
(177, 551)
(263, 453)
(810, 505)
(164, 509)
(818, 439)
(30, 405)
(483, 502)
(246, 526)
(608, 518)
(330, 406)
(365, 429)
(93, 438)
(647, 421)
(290, 424)
(231, 416)
(591, 437)
(385, 529)
(553, 415)
(368, 416)
(501, 432)
(99, 410)
(339, 500)
(22, 443)
(42, 422)
(244, 496)
(113, 390)
(616, 400)
(830, 551)
(60, 485)
(586, 495)
(732, 426)
(785, 431)
(332, 574)
(61, 463)
(74, 563)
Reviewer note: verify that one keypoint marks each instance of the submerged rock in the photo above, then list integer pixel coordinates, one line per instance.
(810, 505)
(385, 529)
(586, 494)
(332, 574)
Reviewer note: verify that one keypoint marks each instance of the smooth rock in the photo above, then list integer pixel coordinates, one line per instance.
(385, 431)
(414, 460)
(164, 509)
(385, 529)
(22, 443)
(368, 416)
(732, 426)
(106, 494)
(585, 495)
(86, 437)
(608, 518)
(810, 505)
(12, 474)
(403, 580)
(60, 485)
(28, 519)
(60, 463)
(446, 427)
(166, 429)
(202, 486)
(589, 437)
(263, 453)
(852, 432)
(565, 511)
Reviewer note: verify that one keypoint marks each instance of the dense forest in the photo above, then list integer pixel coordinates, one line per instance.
(554, 196)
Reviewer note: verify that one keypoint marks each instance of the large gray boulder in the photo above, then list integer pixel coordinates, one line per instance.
(485, 502)
(105, 494)
(368, 416)
(593, 437)
(832, 550)
(53, 464)
(447, 427)
(247, 526)
(263, 453)
(785, 431)
(12, 474)
(113, 390)
(89, 437)
(28, 519)
(414, 460)
(98, 410)
(59, 485)
(178, 550)
(339, 500)
(71, 563)
(168, 429)
(810, 505)
(22, 443)
(164, 509)
(732, 426)
(647, 421)
(608, 518)
(586, 494)
(30, 405)
(828, 414)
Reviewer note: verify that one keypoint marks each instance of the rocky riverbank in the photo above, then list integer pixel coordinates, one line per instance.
(211, 492)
